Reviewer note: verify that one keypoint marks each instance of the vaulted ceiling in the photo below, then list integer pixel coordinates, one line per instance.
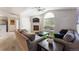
(15, 11)
(4, 11)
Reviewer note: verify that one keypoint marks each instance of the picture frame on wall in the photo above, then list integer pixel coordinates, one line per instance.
(12, 22)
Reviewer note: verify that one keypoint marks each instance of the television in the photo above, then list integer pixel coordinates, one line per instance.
(35, 19)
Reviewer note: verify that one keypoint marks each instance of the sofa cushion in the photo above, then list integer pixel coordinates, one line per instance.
(63, 31)
(30, 36)
(69, 36)
(23, 30)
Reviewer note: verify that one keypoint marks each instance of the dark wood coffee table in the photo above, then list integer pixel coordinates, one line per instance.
(45, 46)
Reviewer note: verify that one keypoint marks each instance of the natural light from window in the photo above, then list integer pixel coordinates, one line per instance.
(49, 21)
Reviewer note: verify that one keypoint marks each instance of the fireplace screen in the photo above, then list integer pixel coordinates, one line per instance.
(36, 27)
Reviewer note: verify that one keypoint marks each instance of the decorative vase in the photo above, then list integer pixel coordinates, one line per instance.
(50, 44)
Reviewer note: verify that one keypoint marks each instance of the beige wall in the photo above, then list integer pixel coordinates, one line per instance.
(64, 19)
(25, 23)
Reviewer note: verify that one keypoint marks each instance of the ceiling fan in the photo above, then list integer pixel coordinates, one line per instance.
(40, 8)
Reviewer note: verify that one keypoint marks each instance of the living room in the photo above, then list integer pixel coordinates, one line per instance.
(40, 28)
(45, 22)
(63, 18)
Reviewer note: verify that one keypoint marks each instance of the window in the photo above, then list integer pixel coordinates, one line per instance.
(49, 21)
(49, 15)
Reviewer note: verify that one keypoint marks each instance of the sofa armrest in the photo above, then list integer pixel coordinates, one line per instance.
(60, 36)
(22, 41)
(67, 44)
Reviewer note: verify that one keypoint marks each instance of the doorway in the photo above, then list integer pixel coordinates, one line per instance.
(3, 24)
